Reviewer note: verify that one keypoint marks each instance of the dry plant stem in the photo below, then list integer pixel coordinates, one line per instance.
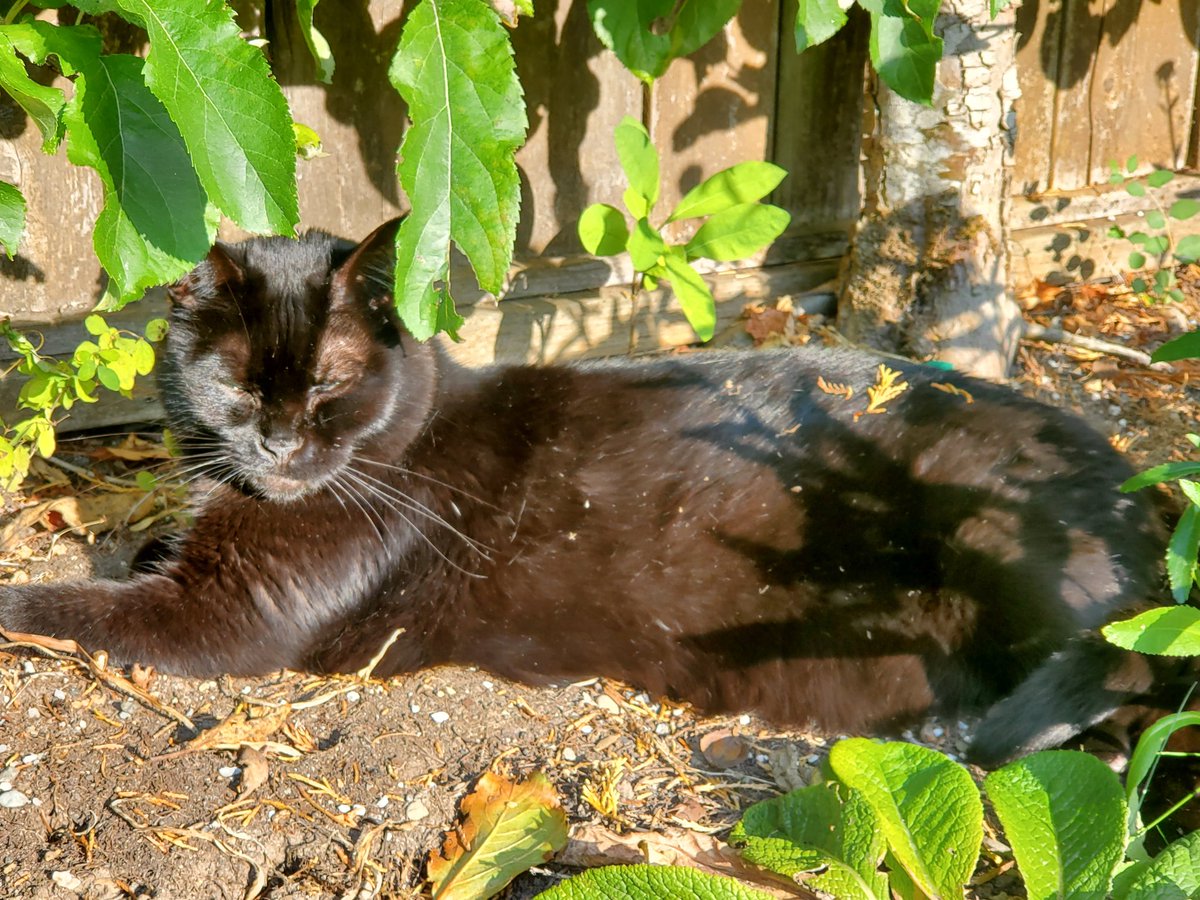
(1036, 332)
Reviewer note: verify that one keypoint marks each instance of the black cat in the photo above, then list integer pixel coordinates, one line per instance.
(724, 528)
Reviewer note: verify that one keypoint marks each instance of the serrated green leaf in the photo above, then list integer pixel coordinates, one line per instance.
(1173, 875)
(811, 829)
(1165, 631)
(1063, 812)
(602, 230)
(694, 296)
(742, 183)
(454, 68)
(904, 51)
(738, 232)
(1136, 189)
(1136, 260)
(625, 28)
(1159, 177)
(317, 45)
(927, 805)
(1184, 208)
(1187, 250)
(639, 160)
(646, 246)
(698, 22)
(1181, 553)
(43, 104)
(12, 218)
(1156, 219)
(816, 22)
(650, 883)
(230, 112)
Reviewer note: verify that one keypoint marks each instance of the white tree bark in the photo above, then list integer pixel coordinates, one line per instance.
(928, 273)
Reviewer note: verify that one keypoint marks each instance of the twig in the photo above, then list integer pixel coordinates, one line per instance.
(1056, 335)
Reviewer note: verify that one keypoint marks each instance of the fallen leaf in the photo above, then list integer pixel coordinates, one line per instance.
(253, 763)
(505, 829)
(723, 749)
(594, 845)
(240, 727)
(833, 387)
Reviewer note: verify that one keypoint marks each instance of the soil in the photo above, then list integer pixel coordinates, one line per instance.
(120, 788)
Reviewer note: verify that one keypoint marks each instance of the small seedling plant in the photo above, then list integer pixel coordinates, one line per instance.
(735, 223)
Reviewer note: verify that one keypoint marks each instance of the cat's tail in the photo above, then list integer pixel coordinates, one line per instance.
(1078, 687)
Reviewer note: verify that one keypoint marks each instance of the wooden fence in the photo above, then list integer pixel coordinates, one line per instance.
(1101, 80)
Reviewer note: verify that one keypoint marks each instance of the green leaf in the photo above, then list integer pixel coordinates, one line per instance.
(231, 113)
(1159, 177)
(738, 232)
(142, 356)
(639, 159)
(602, 230)
(694, 296)
(1131, 164)
(1184, 208)
(1063, 812)
(645, 882)
(146, 480)
(1165, 631)
(698, 22)
(95, 325)
(1155, 245)
(317, 45)
(1181, 553)
(1165, 471)
(12, 218)
(742, 183)
(1136, 260)
(811, 831)
(996, 6)
(454, 68)
(817, 21)
(1187, 250)
(1173, 875)
(1136, 189)
(904, 50)
(308, 142)
(646, 246)
(911, 789)
(1141, 765)
(156, 330)
(625, 28)
(1156, 219)
(42, 104)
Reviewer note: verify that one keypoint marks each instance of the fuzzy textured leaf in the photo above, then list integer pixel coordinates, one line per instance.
(41, 103)
(1172, 875)
(927, 805)
(231, 113)
(738, 232)
(454, 68)
(811, 831)
(602, 230)
(12, 218)
(817, 21)
(650, 883)
(743, 183)
(506, 828)
(317, 45)
(1165, 631)
(156, 223)
(1063, 812)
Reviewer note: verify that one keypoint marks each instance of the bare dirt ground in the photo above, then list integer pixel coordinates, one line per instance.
(120, 784)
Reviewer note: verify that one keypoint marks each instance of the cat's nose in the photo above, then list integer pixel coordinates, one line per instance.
(281, 445)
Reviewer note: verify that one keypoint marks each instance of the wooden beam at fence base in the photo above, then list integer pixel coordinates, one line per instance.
(587, 324)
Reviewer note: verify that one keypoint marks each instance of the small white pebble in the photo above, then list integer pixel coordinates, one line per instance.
(762, 759)
(568, 754)
(586, 729)
(30, 758)
(5, 787)
(450, 691)
(938, 731)
(439, 717)
(441, 693)
(676, 713)
(228, 771)
(743, 720)
(382, 802)
(33, 712)
(662, 728)
(416, 811)
(270, 813)
(642, 698)
(353, 696)
(67, 881)
(416, 707)
(123, 714)
(488, 685)
(36, 801)
(28, 667)
(963, 726)
(13, 800)
(344, 807)
(60, 694)
(358, 809)
(246, 689)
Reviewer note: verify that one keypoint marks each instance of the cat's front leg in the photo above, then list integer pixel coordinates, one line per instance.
(184, 628)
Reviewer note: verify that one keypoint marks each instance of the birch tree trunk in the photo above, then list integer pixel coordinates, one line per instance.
(928, 272)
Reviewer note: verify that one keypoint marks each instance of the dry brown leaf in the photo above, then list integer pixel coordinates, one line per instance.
(762, 322)
(133, 449)
(833, 387)
(253, 763)
(723, 749)
(887, 387)
(240, 727)
(595, 845)
(506, 828)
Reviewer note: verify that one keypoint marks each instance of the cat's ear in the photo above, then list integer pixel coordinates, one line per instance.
(367, 274)
(218, 272)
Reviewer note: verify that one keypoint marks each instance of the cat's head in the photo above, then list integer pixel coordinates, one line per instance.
(285, 358)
